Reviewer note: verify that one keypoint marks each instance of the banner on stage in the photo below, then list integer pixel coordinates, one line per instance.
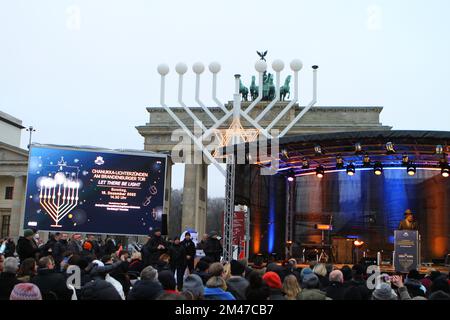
(94, 191)
(406, 250)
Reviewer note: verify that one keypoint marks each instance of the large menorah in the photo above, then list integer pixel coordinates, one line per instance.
(59, 195)
(235, 133)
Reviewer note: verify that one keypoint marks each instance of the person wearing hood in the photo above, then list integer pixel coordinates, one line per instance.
(273, 281)
(212, 248)
(52, 284)
(177, 253)
(148, 287)
(27, 246)
(310, 288)
(237, 284)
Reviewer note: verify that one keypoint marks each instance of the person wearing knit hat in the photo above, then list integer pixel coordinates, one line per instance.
(273, 281)
(27, 246)
(28, 233)
(304, 272)
(25, 291)
(194, 284)
(310, 288)
(384, 292)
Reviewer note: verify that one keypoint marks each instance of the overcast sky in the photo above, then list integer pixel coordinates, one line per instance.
(83, 71)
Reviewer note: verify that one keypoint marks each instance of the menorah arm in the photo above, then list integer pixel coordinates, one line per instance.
(48, 209)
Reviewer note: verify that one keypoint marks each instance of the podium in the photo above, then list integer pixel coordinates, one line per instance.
(406, 250)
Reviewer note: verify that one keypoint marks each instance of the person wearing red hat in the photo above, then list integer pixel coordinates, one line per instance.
(273, 281)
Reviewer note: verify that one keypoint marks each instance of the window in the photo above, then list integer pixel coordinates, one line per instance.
(5, 226)
(9, 193)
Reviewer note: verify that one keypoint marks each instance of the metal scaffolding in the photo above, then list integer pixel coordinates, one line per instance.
(229, 210)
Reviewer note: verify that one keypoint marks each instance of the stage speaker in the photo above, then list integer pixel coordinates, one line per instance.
(164, 230)
(343, 250)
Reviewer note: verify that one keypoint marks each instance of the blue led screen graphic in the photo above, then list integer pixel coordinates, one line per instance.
(89, 191)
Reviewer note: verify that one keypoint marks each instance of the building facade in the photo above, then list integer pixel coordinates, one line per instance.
(13, 172)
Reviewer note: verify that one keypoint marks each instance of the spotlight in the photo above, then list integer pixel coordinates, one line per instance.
(439, 149)
(320, 171)
(358, 148)
(405, 160)
(445, 170)
(378, 168)
(411, 169)
(351, 169)
(305, 163)
(390, 148)
(366, 161)
(291, 175)
(358, 243)
(318, 150)
(339, 162)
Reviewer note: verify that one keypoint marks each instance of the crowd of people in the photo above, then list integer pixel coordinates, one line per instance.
(169, 270)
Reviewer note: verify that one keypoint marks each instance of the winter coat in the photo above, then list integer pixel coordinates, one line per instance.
(177, 254)
(237, 286)
(276, 294)
(336, 290)
(135, 265)
(47, 249)
(145, 290)
(312, 294)
(189, 247)
(74, 246)
(59, 249)
(213, 249)
(217, 294)
(51, 284)
(99, 289)
(110, 247)
(27, 248)
(153, 251)
(7, 282)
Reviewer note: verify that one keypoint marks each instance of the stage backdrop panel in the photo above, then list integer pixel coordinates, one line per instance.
(94, 191)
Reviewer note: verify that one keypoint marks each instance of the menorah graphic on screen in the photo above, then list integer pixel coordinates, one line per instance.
(59, 191)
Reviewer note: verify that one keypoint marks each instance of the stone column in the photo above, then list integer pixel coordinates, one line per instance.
(195, 196)
(18, 207)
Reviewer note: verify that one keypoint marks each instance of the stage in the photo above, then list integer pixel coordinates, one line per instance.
(359, 183)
